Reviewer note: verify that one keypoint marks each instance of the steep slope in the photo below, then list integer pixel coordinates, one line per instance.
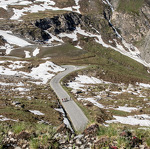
(110, 37)
(133, 20)
(94, 17)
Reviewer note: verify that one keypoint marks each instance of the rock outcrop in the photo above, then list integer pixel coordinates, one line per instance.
(98, 14)
(134, 27)
(2, 41)
(60, 24)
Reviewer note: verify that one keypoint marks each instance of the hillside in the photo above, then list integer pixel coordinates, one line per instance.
(109, 39)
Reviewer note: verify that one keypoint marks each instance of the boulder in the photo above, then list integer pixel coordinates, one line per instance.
(23, 135)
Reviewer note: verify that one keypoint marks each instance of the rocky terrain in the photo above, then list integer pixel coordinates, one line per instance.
(133, 24)
(110, 37)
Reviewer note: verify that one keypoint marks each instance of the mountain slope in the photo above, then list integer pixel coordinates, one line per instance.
(133, 19)
(96, 22)
(110, 38)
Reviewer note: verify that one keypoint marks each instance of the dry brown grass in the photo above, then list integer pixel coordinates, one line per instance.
(42, 14)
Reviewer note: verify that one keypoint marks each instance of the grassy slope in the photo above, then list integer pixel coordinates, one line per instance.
(117, 67)
(130, 6)
(66, 50)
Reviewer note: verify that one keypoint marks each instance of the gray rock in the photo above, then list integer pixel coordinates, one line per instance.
(57, 136)
(10, 133)
(17, 147)
(62, 141)
(13, 140)
(71, 141)
(78, 141)
(24, 146)
(142, 146)
(79, 136)
(82, 147)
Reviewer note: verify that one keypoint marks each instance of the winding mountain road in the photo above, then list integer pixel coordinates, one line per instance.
(76, 115)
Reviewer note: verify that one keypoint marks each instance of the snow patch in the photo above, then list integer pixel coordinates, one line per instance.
(66, 121)
(36, 52)
(7, 47)
(46, 58)
(2, 118)
(78, 46)
(82, 80)
(27, 54)
(11, 39)
(34, 8)
(142, 120)
(126, 109)
(92, 101)
(42, 72)
(36, 112)
(144, 85)
(53, 38)
(21, 89)
(72, 36)
(87, 80)
(16, 64)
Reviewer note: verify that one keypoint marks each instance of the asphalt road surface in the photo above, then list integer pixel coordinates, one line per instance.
(75, 114)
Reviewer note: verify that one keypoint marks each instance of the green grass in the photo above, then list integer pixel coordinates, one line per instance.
(18, 128)
(117, 67)
(119, 113)
(34, 143)
(113, 131)
(42, 102)
(44, 138)
(61, 53)
(108, 131)
(130, 6)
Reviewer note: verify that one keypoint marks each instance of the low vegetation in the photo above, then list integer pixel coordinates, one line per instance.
(35, 135)
(117, 136)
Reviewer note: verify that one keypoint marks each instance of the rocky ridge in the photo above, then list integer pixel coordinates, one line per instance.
(2, 41)
(64, 23)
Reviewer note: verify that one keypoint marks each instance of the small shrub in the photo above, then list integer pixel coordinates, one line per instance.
(108, 131)
(19, 127)
(34, 143)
